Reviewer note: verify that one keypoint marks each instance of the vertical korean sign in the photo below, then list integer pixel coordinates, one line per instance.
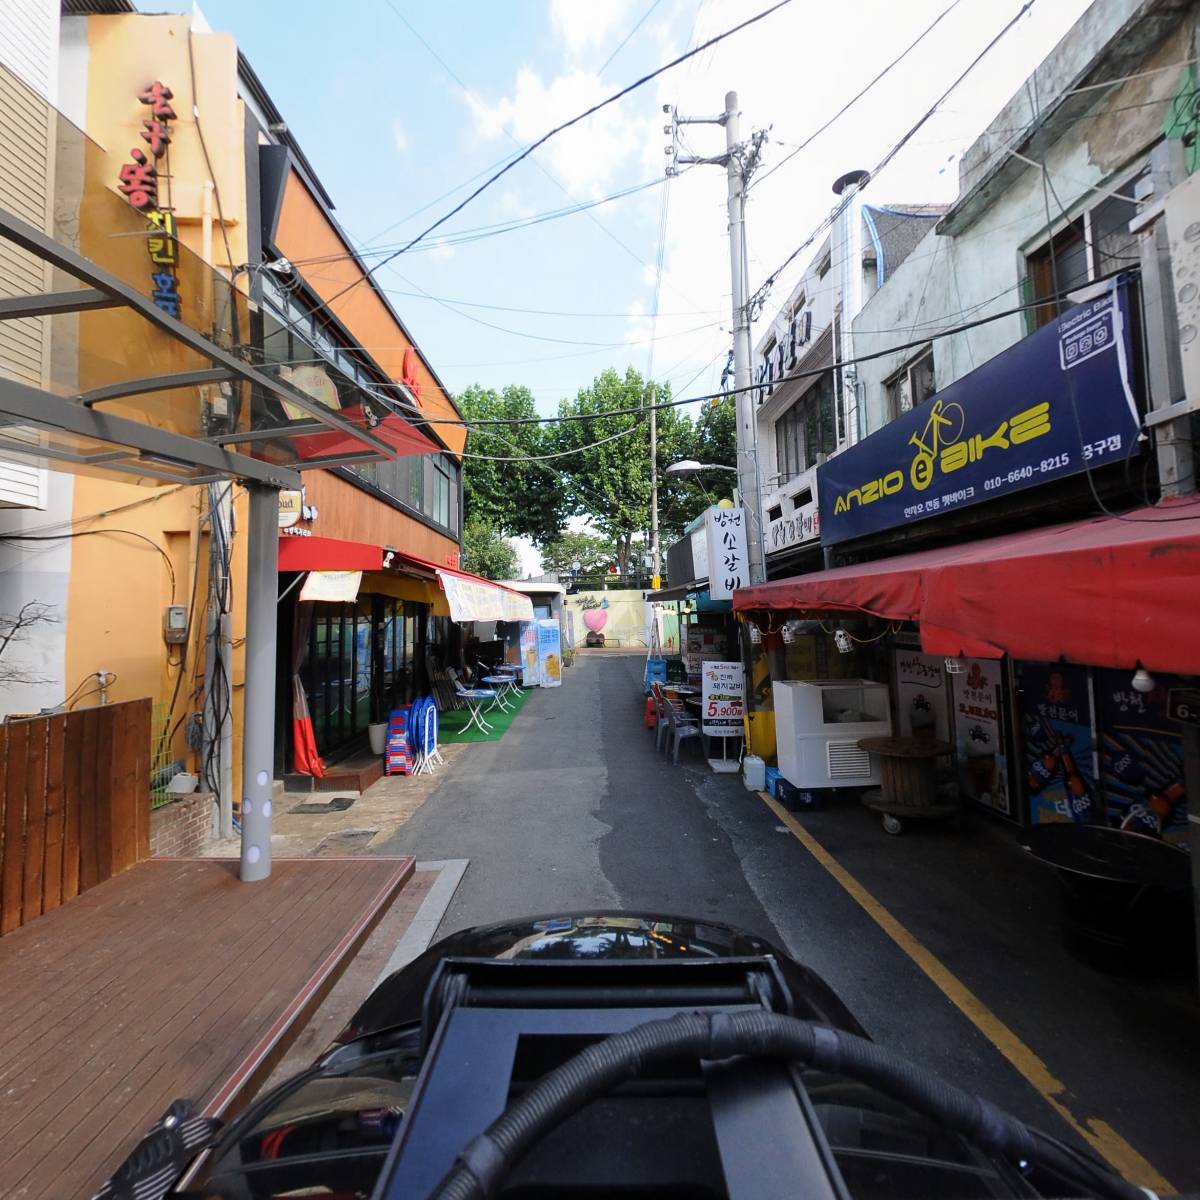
(722, 699)
(728, 561)
(139, 184)
(979, 734)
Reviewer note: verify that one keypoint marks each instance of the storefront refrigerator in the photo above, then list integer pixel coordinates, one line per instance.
(818, 725)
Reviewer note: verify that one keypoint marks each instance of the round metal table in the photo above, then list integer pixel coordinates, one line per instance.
(1125, 902)
(908, 789)
(500, 683)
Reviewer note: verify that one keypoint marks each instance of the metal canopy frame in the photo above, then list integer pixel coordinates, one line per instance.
(79, 417)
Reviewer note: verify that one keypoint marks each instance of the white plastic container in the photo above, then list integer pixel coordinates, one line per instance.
(377, 735)
(754, 773)
(183, 784)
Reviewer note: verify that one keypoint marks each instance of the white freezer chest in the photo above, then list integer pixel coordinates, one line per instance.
(818, 724)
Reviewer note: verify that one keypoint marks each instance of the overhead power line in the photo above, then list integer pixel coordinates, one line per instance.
(811, 373)
(560, 128)
(462, 237)
(558, 183)
(769, 282)
(841, 112)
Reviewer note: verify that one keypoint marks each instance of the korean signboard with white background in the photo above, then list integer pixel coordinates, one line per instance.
(728, 561)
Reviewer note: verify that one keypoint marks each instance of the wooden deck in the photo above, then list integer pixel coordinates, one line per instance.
(170, 980)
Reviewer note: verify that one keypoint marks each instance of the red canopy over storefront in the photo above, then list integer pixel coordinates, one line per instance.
(328, 554)
(1110, 592)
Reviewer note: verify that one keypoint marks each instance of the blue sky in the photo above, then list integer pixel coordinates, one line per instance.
(390, 129)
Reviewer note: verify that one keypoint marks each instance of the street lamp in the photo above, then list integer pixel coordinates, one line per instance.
(689, 466)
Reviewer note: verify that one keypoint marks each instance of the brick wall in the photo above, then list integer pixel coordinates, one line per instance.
(182, 828)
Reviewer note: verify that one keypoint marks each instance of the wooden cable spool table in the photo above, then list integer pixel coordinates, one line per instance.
(908, 787)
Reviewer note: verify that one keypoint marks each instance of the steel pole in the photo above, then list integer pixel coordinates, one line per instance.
(258, 740)
(655, 561)
(747, 457)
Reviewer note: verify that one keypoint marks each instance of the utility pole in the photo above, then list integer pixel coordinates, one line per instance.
(739, 161)
(655, 557)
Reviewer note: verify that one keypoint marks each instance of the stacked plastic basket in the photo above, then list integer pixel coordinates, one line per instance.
(412, 740)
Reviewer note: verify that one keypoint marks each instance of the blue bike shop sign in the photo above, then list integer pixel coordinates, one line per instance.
(1058, 402)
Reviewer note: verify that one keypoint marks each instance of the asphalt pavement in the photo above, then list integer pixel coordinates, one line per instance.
(572, 809)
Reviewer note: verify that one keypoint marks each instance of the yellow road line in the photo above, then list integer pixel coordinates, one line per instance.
(1098, 1134)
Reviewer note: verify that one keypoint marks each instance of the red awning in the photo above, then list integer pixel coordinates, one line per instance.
(1110, 592)
(328, 554)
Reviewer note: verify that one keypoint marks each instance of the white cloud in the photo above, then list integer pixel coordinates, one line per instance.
(588, 24)
(585, 157)
(399, 136)
(512, 204)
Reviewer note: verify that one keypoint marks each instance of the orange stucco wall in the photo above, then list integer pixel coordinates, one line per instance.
(304, 233)
(120, 583)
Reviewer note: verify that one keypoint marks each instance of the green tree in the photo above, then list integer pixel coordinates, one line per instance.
(609, 482)
(710, 438)
(715, 433)
(519, 499)
(486, 552)
(592, 552)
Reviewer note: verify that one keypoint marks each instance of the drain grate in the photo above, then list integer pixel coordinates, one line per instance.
(336, 805)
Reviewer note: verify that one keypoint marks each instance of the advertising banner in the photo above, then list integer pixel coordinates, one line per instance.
(477, 600)
(1056, 403)
(531, 667)
(549, 652)
(722, 695)
(1056, 743)
(728, 560)
(979, 734)
(334, 587)
(1141, 758)
(922, 695)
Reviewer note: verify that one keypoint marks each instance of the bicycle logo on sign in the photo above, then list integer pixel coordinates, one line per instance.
(943, 427)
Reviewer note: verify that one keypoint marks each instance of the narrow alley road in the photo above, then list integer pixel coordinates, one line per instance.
(573, 809)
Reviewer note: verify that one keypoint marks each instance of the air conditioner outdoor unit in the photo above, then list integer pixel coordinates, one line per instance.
(818, 725)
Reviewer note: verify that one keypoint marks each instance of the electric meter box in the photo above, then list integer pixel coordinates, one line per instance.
(818, 724)
(175, 624)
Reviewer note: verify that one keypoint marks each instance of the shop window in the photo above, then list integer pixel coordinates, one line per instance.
(911, 385)
(806, 430)
(1114, 248)
(1063, 261)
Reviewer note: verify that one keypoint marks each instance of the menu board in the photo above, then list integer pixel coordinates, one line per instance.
(723, 701)
(922, 695)
(1141, 757)
(1056, 743)
(703, 641)
(979, 734)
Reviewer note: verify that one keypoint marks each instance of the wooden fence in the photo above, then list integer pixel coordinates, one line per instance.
(74, 805)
